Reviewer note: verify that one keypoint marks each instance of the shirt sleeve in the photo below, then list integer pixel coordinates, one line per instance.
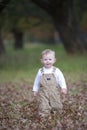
(37, 82)
(60, 79)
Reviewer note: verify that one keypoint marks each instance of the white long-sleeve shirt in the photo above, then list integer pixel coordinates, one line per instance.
(58, 75)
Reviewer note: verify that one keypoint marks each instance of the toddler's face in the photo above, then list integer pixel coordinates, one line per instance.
(48, 60)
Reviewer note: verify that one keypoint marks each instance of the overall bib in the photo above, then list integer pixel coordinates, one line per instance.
(49, 95)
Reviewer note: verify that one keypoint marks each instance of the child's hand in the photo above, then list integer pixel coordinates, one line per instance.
(64, 94)
(35, 94)
(64, 91)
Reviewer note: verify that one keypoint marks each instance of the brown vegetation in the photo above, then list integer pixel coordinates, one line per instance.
(19, 112)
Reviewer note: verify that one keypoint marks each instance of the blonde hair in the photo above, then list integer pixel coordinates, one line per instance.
(47, 51)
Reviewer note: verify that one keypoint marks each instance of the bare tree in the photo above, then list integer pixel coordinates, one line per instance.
(66, 20)
(3, 4)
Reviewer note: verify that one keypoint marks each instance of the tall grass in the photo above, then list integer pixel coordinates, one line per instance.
(19, 65)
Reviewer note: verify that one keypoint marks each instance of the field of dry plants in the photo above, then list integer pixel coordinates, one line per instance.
(19, 112)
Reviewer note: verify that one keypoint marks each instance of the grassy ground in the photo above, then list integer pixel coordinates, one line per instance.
(17, 73)
(23, 64)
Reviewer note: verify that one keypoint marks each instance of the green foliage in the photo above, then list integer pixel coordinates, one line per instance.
(84, 22)
(20, 14)
(80, 7)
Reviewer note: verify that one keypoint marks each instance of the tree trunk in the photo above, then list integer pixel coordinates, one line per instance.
(18, 37)
(65, 17)
(2, 48)
(3, 4)
(68, 25)
(71, 38)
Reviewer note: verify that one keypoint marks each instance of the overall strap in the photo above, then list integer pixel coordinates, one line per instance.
(54, 69)
(42, 70)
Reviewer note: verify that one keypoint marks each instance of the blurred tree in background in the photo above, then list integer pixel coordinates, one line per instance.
(66, 15)
(3, 4)
(19, 16)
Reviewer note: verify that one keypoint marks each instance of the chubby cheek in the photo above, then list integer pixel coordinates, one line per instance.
(42, 61)
(54, 60)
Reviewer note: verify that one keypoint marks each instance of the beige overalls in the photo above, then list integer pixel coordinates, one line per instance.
(49, 94)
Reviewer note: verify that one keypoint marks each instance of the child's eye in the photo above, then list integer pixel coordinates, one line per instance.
(50, 59)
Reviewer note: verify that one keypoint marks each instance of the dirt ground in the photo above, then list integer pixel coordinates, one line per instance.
(18, 111)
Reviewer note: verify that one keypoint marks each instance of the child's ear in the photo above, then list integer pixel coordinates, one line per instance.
(41, 60)
(54, 60)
